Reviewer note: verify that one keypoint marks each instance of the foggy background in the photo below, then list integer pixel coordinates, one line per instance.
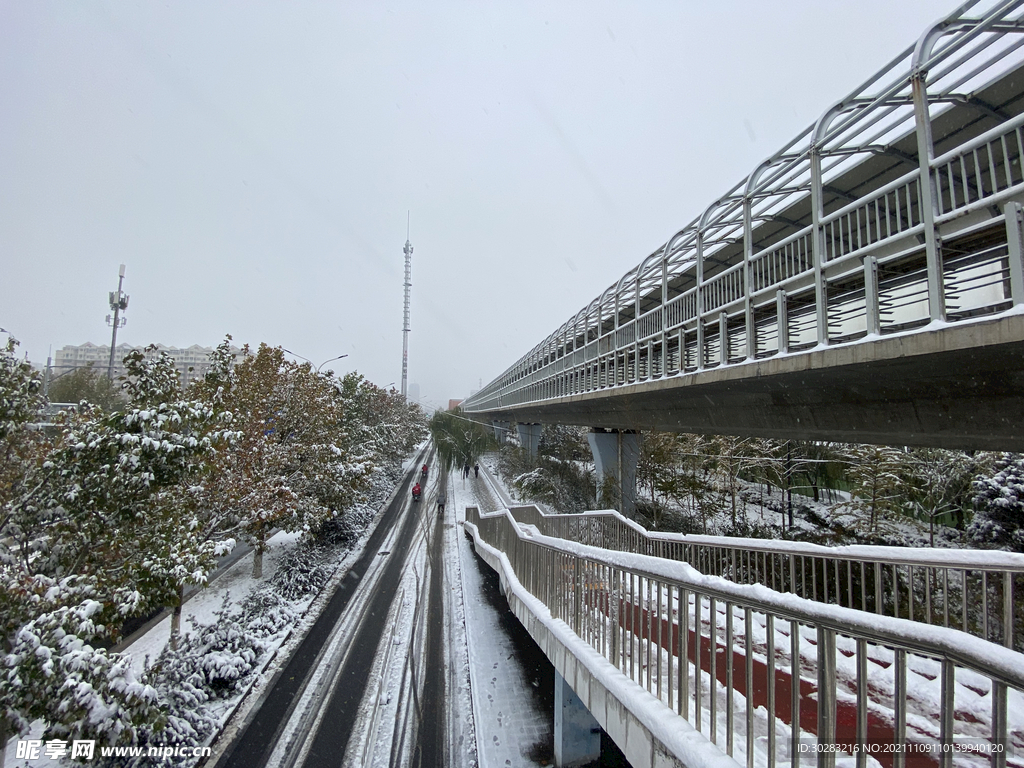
(253, 163)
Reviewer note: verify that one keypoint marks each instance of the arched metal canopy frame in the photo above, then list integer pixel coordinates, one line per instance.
(895, 103)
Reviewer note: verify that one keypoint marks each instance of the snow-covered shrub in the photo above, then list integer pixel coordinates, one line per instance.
(264, 613)
(999, 504)
(301, 572)
(749, 529)
(223, 653)
(342, 530)
(184, 719)
(565, 486)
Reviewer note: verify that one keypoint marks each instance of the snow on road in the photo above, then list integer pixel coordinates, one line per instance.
(513, 725)
(497, 714)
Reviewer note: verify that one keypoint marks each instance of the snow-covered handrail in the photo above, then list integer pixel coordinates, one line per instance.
(879, 685)
(972, 590)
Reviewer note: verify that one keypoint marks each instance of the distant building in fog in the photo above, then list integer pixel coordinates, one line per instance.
(453, 404)
(414, 393)
(192, 363)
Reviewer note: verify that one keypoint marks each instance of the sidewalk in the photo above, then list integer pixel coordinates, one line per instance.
(512, 683)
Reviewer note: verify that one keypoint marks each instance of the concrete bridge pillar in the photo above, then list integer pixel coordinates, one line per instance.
(500, 431)
(615, 456)
(577, 733)
(529, 437)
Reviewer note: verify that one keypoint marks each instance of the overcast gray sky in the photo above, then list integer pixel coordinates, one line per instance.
(252, 163)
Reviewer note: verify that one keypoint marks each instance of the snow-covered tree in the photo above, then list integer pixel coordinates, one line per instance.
(377, 420)
(695, 492)
(460, 441)
(88, 384)
(999, 504)
(101, 531)
(124, 509)
(939, 483)
(819, 464)
(658, 469)
(879, 477)
(21, 447)
(294, 464)
(22, 450)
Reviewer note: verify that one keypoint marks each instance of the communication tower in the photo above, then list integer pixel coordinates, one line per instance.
(405, 316)
(118, 303)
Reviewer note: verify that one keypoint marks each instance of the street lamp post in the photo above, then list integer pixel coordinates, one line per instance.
(315, 367)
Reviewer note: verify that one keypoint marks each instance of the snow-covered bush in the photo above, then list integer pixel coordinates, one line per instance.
(563, 483)
(265, 614)
(223, 653)
(184, 719)
(212, 661)
(300, 573)
(83, 692)
(999, 504)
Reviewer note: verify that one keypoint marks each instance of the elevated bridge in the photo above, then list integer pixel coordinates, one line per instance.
(863, 284)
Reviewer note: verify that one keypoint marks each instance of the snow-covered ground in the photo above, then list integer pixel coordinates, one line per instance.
(228, 589)
(513, 727)
(496, 717)
(227, 592)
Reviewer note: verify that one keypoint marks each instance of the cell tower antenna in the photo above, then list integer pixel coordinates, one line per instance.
(405, 316)
(118, 304)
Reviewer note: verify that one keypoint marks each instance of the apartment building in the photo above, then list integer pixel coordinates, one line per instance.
(191, 362)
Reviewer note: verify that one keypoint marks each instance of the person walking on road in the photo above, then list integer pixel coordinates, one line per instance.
(476, 470)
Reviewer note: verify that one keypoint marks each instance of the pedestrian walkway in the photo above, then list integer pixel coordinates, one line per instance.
(513, 699)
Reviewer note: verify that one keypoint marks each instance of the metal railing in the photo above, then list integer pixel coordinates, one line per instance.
(831, 240)
(976, 591)
(771, 678)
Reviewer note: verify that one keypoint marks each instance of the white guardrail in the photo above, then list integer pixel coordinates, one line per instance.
(769, 677)
(976, 591)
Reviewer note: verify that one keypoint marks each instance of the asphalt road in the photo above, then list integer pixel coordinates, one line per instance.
(256, 742)
(432, 731)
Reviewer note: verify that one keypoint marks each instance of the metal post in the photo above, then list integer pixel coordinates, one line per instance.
(826, 695)
(818, 246)
(1014, 215)
(700, 301)
(879, 605)
(723, 338)
(118, 302)
(900, 705)
(946, 712)
(407, 250)
(873, 318)
(664, 313)
(999, 729)
(748, 287)
(46, 376)
(929, 196)
(1008, 609)
(782, 320)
